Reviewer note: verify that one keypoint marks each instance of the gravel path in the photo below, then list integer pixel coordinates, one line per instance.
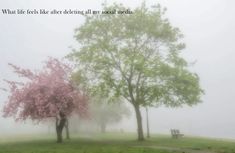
(182, 150)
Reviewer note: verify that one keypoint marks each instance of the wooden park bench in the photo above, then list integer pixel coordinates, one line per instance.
(175, 133)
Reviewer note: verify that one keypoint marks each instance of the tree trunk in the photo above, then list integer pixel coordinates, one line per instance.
(60, 123)
(103, 127)
(139, 123)
(59, 135)
(67, 129)
(147, 122)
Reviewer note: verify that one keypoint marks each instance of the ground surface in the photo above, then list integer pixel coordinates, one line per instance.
(113, 143)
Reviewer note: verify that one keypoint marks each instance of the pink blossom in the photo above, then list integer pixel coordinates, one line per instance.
(45, 94)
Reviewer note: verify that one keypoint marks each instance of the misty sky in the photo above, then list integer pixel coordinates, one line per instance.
(208, 26)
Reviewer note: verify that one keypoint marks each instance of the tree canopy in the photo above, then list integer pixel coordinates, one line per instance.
(137, 57)
(48, 93)
(104, 113)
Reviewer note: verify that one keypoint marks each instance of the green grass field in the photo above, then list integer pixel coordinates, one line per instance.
(113, 143)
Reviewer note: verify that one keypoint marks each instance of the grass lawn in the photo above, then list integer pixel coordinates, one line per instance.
(113, 143)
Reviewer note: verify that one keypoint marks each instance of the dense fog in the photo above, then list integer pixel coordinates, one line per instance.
(208, 28)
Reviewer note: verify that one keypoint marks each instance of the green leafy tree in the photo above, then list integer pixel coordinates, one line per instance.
(105, 113)
(137, 57)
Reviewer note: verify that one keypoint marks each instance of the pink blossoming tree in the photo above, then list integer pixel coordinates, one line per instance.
(48, 93)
